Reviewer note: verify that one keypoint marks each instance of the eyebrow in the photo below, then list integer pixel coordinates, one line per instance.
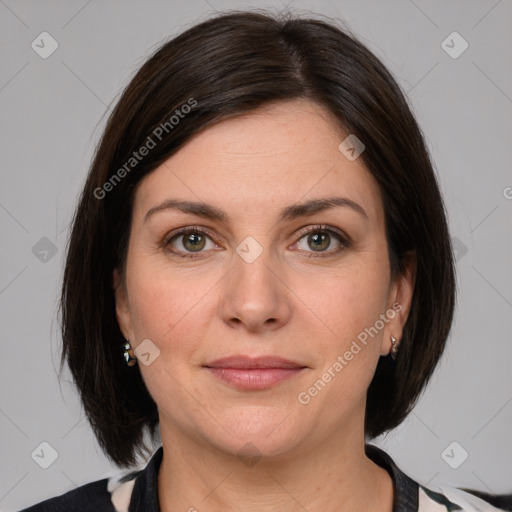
(291, 212)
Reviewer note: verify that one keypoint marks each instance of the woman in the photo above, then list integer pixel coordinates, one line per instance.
(259, 266)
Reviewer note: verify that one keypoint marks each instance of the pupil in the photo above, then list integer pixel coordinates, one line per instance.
(195, 240)
(319, 239)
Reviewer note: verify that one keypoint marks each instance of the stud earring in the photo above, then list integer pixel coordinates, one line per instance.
(394, 348)
(129, 355)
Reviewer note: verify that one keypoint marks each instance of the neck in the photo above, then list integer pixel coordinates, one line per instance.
(195, 477)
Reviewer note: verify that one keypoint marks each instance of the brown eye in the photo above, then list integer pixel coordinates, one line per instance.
(187, 241)
(193, 242)
(318, 239)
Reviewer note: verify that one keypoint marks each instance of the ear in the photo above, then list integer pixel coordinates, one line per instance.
(122, 305)
(399, 302)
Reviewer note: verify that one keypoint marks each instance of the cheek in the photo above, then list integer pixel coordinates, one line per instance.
(348, 309)
(170, 311)
(350, 303)
(168, 307)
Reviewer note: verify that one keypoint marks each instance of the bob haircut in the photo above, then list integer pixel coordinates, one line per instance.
(225, 66)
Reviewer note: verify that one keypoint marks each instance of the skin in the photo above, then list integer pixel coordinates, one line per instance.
(307, 309)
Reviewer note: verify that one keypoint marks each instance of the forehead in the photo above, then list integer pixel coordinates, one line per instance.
(278, 155)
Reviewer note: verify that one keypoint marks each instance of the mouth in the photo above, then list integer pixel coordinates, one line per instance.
(248, 373)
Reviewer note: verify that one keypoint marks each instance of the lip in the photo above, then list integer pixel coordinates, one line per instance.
(244, 372)
(248, 362)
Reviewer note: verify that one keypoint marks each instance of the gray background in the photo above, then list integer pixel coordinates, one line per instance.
(52, 115)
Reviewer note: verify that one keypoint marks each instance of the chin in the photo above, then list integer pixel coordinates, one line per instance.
(256, 431)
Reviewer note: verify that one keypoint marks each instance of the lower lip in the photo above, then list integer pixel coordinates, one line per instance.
(256, 378)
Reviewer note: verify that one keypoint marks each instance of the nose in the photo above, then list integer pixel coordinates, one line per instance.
(255, 295)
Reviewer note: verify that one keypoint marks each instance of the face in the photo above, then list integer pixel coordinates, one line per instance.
(263, 278)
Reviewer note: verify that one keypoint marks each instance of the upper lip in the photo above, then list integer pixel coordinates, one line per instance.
(253, 362)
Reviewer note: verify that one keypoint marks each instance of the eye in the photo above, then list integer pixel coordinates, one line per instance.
(320, 238)
(191, 239)
(194, 240)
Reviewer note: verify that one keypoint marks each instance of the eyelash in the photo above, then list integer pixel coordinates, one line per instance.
(323, 228)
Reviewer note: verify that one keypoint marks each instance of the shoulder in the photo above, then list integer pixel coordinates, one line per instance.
(466, 500)
(410, 496)
(135, 488)
(93, 496)
(107, 495)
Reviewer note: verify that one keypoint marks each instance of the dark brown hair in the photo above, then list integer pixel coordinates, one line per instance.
(227, 65)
